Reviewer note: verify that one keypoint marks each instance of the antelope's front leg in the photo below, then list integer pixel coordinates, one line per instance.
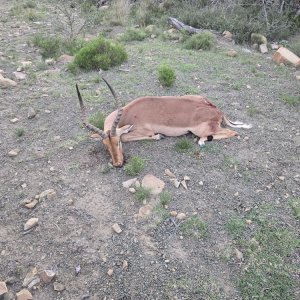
(138, 134)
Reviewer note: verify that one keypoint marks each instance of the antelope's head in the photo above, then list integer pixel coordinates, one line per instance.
(112, 137)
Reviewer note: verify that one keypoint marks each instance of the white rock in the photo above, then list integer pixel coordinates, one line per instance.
(25, 64)
(183, 183)
(19, 75)
(200, 182)
(127, 184)
(57, 286)
(176, 183)
(3, 288)
(31, 113)
(116, 228)
(14, 120)
(238, 254)
(24, 295)
(47, 194)
(153, 183)
(281, 178)
(31, 204)
(181, 216)
(50, 61)
(169, 173)
(6, 82)
(31, 223)
(173, 213)
(186, 178)
(110, 272)
(132, 190)
(14, 152)
(125, 265)
(263, 48)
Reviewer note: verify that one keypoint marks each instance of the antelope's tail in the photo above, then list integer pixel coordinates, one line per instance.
(236, 124)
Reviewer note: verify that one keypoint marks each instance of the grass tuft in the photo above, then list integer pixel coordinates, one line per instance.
(194, 227)
(142, 194)
(235, 226)
(134, 34)
(183, 145)
(20, 132)
(291, 100)
(97, 119)
(295, 205)
(134, 166)
(165, 198)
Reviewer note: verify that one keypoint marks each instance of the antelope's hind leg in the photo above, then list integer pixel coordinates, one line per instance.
(222, 133)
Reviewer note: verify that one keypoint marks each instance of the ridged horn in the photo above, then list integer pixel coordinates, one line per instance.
(116, 122)
(117, 101)
(84, 118)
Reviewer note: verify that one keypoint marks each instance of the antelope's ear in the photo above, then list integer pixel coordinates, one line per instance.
(124, 129)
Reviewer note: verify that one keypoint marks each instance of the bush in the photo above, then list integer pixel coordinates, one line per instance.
(183, 145)
(142, 193)
(134, 35)
(134, 166)
(239, 17)
(50, 46)
(202, 40)
(99, 54)
(166, 75)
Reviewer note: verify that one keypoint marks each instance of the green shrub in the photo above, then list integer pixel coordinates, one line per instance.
(50, 46)
(134, 35)
(19, 132)
(166, 75)
(202, 40)
(100, 53)
(134, 166)
(291, 99)
(97, 119)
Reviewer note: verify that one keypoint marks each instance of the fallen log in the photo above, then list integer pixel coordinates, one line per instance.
(181, 26)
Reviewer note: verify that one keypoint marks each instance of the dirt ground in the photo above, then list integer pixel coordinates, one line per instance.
(227, 178)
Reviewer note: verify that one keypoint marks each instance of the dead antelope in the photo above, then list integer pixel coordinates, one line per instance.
(150, 118)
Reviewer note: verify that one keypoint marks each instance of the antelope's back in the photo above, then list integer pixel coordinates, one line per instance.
(181, 111)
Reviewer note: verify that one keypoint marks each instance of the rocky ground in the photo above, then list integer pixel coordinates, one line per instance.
(54, 176)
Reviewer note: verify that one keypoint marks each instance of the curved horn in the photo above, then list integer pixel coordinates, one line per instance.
(113, 93)
(116, 122)
(84, 118)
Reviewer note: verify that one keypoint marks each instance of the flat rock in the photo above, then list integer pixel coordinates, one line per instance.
(57, 286)
(181, 216)
(110, 272)
(32, 222)
(145, 211)
(274, 46)
(285, 56)
(3, 288)
(127, 184)
(47, 194)
(153, 183)
(31, 113)
(24, 295)
(231, 53)
(6, 82)
(19, 75)
(116, 228)
(14, 152)
(31, 204)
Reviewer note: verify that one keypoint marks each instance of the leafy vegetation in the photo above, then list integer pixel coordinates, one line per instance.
(235, 226)
(295, 205)
(20, 132)
(99, 53)
(134, 166)
(202, 40)
(166, 75)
